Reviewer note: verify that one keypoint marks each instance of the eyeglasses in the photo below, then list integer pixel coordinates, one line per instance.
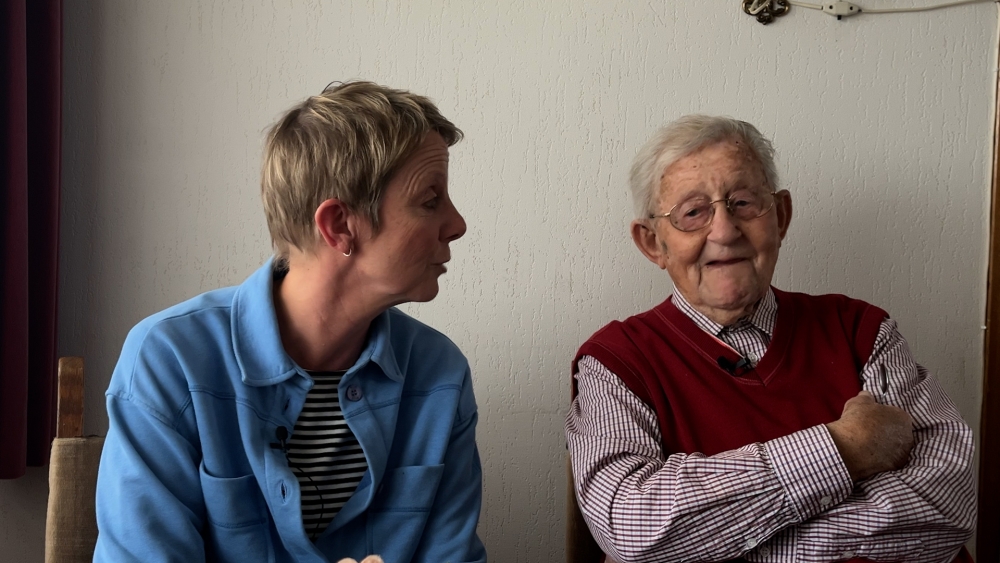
(697, 212)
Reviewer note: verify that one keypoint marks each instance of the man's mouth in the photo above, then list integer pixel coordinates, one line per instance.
(727, 262)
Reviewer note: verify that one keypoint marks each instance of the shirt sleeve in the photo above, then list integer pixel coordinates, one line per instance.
(450, 534)
(923, 512)
(644, 505)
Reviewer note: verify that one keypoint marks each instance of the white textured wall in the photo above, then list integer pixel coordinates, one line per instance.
(881, 123)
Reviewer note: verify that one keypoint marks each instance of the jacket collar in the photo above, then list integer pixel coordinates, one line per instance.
(257, 339)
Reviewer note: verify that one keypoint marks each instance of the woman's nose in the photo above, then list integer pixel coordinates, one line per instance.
(455, 226)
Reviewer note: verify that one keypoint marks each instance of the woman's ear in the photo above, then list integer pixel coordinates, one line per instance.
(648, 242)
(333, 223)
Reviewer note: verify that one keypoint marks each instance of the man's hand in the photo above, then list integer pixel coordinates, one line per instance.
(872, 438)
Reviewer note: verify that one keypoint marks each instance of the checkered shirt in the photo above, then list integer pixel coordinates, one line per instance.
(788, 499)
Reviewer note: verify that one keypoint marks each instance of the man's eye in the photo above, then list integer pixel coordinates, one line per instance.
(742, 199)
(432, 203)
(693, 209)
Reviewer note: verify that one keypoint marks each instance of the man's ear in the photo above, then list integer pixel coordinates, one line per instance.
(646, 239)
(783, 208)
(334, 226)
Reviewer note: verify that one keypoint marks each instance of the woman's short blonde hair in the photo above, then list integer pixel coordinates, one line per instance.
(345, 143)
(685, 136)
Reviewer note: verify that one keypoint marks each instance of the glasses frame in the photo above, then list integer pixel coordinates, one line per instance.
(711, 205)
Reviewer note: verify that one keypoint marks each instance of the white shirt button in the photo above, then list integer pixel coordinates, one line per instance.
(764, 551)
(825, 501)
(848, 554)
(751, 543)
(752, 357)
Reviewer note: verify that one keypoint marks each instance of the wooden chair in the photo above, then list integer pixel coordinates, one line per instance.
(580, 545)
(71, 521)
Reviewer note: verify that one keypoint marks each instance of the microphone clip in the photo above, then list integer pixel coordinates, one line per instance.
(281, 433)
(733, 368)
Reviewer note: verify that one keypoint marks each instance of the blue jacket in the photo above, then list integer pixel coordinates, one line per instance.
(191, 471)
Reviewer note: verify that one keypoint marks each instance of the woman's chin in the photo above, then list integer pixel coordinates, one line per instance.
(425, 293)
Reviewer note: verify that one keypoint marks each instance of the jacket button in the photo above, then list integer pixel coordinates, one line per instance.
(353, 393)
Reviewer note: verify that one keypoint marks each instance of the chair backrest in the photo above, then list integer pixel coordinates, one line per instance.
(71, 521)
(580, 545)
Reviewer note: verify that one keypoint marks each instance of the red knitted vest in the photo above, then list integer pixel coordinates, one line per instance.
(811, 368)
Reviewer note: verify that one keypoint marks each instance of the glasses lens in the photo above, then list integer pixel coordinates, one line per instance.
(692, 214)
(749, 204)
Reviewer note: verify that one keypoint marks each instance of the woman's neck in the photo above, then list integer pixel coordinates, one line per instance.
(323, 324)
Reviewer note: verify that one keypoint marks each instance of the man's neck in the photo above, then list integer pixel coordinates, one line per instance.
(722, 317)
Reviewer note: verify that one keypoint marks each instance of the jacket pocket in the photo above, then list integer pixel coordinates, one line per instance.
(238, 528)
(400, 510)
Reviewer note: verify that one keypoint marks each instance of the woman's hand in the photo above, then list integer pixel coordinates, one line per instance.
(369, 559)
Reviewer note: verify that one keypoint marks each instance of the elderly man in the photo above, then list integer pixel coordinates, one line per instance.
(735, 421)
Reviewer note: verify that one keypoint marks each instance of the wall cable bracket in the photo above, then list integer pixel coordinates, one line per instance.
(766, 10)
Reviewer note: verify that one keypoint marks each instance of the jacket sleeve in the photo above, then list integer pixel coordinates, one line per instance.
(923, 512)
(149, 502)
(643, 505)
(450, 534)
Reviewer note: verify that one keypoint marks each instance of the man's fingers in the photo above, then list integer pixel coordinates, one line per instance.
(862, 398)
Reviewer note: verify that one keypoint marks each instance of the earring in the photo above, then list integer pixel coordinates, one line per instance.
(349, 251)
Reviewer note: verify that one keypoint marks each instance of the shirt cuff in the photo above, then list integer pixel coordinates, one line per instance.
(810, 469)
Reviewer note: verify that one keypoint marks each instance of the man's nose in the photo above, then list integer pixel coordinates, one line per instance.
(723, 228)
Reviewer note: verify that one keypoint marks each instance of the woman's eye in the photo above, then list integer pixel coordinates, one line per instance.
(432, 203)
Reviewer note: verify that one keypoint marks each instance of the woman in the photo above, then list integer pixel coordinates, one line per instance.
(299, 416)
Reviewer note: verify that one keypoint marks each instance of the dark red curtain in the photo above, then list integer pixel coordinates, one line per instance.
(30, 133)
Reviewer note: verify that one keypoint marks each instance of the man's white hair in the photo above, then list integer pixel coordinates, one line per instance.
(683, 137)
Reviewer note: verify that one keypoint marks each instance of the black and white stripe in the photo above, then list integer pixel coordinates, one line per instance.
(324, 454)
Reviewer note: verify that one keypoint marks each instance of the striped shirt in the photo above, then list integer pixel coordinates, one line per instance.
(324, 454)
(789, 499)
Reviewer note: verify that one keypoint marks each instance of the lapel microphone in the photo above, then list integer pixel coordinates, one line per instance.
(281, 433)
(732, 367)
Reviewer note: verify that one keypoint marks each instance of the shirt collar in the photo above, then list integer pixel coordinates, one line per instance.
(257, 339)
(763, 317)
